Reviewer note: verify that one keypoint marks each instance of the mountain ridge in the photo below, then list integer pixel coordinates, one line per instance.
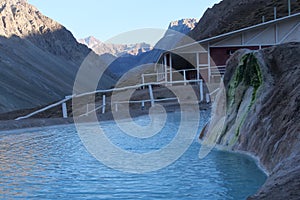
(117, 50)
(183, 25)
(229, 15)
(39, 58)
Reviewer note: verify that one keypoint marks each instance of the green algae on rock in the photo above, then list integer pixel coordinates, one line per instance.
(262, 115)
(247, 74)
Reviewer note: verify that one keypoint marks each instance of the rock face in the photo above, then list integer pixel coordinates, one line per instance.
(261, 115)
(18, 18)
(39, 58)
(115, 49)
(231, 15)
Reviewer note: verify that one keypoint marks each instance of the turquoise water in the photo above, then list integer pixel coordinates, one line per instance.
(52, 163)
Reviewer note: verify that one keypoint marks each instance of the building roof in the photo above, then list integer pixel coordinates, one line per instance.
(218, 37)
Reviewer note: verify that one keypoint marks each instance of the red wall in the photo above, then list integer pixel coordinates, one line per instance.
(220, 55)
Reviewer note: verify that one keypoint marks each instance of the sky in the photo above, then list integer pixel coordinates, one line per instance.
(106, 19)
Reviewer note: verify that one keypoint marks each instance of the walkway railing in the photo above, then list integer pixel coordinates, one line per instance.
(216, 71)
(152, 100)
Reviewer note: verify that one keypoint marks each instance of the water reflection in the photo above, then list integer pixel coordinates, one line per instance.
(53, 164)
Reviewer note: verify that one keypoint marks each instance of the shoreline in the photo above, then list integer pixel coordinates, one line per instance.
(248, 154)
(256, 159)
(11, 124)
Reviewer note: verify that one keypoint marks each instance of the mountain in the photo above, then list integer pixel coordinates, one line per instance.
(115, 49)
(183, 26)
(231, 15)
(122, 64)
(39, 58)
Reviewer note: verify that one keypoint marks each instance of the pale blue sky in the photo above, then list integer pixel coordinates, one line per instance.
(108, 18)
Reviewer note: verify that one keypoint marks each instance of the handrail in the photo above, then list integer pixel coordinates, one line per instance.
(67, 98)
(87, 113)
(145, 101)
(213, 92)
(133, 87)
(186, 70)
(44, 109)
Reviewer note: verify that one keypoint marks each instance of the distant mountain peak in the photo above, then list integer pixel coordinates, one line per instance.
(90, 41)
(101, 48)
(14, 1)
(183, 25)
(22, 19)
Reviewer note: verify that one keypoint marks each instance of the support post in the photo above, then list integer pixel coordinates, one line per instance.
(201, 91)
(243, 38)
(151, 95)
(116, 107)
(171, 69)
(162, 76)
(103, 103)
(276, 34)
(197, 64)
(289, 7)
(143, 81)
(143, 105)
(166, 68)
(64, 110)
(208, 62)
(184, 77)
(275, 12)
(207, 98)
(87, 109)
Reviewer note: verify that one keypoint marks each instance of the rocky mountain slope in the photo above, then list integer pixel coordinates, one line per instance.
(259, 108)
(231, 15)
(39, 58)
(115, 49)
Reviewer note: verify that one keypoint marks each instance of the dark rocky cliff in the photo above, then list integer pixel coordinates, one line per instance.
(39, 58)
(259, 108)
(231, 15)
